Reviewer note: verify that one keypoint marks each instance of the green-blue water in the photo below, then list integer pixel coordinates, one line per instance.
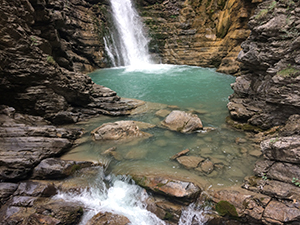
(194, 89)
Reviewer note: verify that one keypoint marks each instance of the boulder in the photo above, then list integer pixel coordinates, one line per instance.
(108, 218)
(53, 168)
(121, 130)
(182, 122)
(176, 189)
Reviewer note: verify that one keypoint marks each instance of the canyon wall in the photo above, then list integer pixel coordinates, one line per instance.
(204, 33)
(267, 93)
(44, 46)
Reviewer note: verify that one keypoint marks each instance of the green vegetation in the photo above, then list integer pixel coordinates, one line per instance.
(264, 176)
(296, 181)
(51, 60)
(224, 208)
(274, 140)
(264, 12)
(33, 40)
(289, 72)
(168, 216)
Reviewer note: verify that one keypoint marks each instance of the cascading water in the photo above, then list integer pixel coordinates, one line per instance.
(130, 46)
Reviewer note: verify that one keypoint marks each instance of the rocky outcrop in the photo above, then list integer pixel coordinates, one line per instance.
(204, 33)
(182, 122)
(24, 145)
(268, 92)
(43, 43)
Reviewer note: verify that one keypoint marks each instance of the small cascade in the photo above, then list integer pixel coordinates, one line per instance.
(114, 194)
(130, 46)
(193, 214)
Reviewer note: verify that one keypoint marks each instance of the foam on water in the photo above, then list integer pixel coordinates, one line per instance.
(121, 197)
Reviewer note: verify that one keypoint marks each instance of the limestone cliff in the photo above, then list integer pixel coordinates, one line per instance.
(204, 33)
(268, 92)
(43, 46)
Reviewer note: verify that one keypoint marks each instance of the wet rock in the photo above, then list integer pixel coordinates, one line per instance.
(284, 149)
(64, 212)
(163, 113)
(182, 122)
(36, 189)
(53, 168)
(249, 204)
(189, 162)
(184, 152)
(255, 153)
(120, 130)
(164, 209)
(176, 189)
(207, 166)
(6, 190)
(108, 218)
(136, 153)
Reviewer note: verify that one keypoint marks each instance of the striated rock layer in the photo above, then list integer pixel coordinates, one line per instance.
(43, 46)
(268, 92)
(204, 33)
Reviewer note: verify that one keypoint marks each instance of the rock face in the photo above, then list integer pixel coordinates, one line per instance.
(23, 146)
(268, 92)
(204, 33)
(44, 46)
(182, 122)
(120, 130)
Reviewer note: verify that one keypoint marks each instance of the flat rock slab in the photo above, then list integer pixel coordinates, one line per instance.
(190, 162)
(182, 122)
(179, 190)
(120, 130)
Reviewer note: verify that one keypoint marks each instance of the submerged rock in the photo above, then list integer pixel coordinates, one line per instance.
(120, 130)
(176, 189)
(190, 162)
(182, 122)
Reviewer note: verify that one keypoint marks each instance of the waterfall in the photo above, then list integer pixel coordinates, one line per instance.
(130, 46)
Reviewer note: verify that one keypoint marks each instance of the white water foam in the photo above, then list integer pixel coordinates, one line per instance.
(193, 214)
(122, 198)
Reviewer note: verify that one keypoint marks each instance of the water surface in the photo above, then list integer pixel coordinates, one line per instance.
(194, 89)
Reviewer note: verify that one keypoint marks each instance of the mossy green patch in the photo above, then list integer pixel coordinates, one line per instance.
(224, 208)
(289, 72)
